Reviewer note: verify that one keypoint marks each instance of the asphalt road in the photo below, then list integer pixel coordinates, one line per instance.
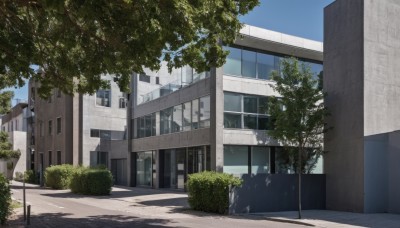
(125, 207)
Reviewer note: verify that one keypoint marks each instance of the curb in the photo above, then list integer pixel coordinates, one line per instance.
(289, 221)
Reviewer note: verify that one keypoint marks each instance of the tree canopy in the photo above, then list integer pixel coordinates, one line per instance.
(76, 41)
(298, 115)
(5, 101)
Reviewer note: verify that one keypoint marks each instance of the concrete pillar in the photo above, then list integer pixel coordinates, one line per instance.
(217, 120)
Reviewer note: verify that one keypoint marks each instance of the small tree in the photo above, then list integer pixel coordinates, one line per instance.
(6, 151)
(298, 115)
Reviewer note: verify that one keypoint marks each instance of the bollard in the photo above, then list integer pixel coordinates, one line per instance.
(28, 220)
(24, 200)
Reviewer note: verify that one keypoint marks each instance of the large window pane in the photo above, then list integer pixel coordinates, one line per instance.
(235, 159)
(148, 126)
(144, 168)
(316, 69)
(195, 114)
(103, 98)
(259, 160)
(250, 121)
(262, 105)
(165, 121)
(249, 64)
(187, 116)
(233, 61)
(232, 102)
(263, 123)
(232, 120)
(205, 112)
(250, 104)
(265, 65)
(177, 119)
(153, 124)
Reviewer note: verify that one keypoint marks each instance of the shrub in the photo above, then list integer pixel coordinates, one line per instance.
(91, 181)
(31, 177)
(58, 176)
(19, 176)
(5, 199)
(209, 191)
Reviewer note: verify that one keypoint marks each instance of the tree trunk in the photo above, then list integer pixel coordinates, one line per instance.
(299, 172)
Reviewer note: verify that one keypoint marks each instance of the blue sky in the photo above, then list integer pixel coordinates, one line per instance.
(302, 18)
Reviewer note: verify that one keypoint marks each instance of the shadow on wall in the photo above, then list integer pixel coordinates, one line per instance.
(277, 192)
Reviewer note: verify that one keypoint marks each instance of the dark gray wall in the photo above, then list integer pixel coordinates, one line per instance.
(343, 82)
(277, 192)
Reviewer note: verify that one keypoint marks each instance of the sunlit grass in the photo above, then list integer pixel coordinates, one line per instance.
(15, 204)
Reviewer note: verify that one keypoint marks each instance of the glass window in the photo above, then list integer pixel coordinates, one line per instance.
(265, 65)
(262, 105)
(177, 119)
(250, 121)
(148, 126)
(232, 120)
(153, 124)
(232, 102)
(122, 102)
(50, 127)
(248, 64)
(250, 104)
(233, 64)
(95, 133)
(59, 125)
(50, 159)
(195, 114)
(236, 159)
(58, 157)
(105, 134)
(205, 111)
(144, 78)
(259, 159)
(103, 98)
(98, 158)
(316, 69)
(187, 116)
(263, 123)
(165, 121)
(144, 168)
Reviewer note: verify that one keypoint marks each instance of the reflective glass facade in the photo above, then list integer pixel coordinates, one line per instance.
(258, 65)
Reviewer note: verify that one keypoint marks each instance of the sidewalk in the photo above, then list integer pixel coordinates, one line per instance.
(334, 219)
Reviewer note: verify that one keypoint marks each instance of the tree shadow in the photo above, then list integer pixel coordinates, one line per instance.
(66, 220)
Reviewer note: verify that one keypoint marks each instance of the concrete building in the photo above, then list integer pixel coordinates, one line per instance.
(78, 129)
(187, 122)
(361, 77)
(15, 124)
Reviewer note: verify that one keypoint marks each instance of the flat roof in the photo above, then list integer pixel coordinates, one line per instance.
(264, 39)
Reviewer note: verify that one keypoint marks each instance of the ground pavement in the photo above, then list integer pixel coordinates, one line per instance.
(141, 207)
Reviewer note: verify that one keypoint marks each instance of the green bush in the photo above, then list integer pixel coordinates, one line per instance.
(31, 177)
(91, 181)
(58, 176)
(209, 191)
(5, 199)
(19, 176)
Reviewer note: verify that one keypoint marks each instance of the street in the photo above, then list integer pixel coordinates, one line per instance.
(125, 207)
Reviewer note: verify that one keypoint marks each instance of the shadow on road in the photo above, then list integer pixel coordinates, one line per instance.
(66, 220)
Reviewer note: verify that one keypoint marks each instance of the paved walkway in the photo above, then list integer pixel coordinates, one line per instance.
(334, 219)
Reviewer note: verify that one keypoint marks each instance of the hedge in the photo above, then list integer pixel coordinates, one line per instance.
(5, 199)
(209, 191)
(91, 181)
(58, 176)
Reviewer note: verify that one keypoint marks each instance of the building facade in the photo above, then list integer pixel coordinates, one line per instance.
(78, 129)
(187, 122)
(15, 124)
(361, 55)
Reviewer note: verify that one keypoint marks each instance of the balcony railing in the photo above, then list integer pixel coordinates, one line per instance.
(172, 87)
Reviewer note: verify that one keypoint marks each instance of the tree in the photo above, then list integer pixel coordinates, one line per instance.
(6, 151)
(298, 114)
(76, 41)
(5, 101)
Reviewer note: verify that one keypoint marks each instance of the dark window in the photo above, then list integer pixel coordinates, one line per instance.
(105, 134)
(95, 133)
(98, 158)
(158, 80)
(58, 125)
(50, 158)
(50, 127)
(122, 102)
(103, 98)
(232, 120)
(58, 157)
(144, 78)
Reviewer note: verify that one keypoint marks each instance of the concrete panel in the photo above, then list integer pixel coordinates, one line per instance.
(248, 86)
(343, 82)
(277, 192)
(248, 137)
(197, 137)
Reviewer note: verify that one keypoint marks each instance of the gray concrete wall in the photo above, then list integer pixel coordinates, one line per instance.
(343, 81)
(277, 192)
(217, 119)
(18, 139)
